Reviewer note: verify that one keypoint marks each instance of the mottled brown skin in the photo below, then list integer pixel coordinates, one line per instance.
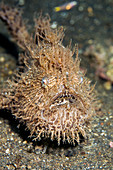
(51, 96)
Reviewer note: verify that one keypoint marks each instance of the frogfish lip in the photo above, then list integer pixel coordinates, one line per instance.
(65, 98)
(64, 107)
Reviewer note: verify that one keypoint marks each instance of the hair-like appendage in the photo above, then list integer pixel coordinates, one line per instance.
(13, 19)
